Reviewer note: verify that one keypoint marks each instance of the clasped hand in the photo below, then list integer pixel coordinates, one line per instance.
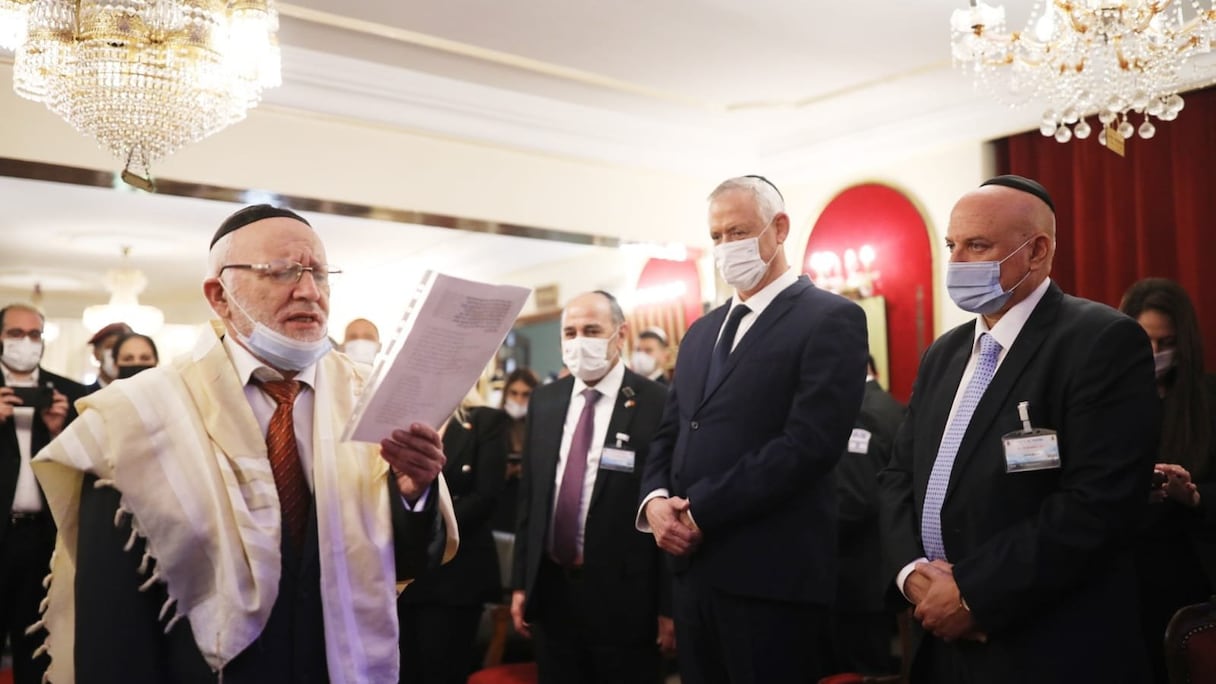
(939, 606)
(672, 525)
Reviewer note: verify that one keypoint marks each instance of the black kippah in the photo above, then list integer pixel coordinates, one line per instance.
(255, 212)
(1023, 184)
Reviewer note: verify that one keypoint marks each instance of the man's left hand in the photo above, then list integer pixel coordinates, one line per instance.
(667, 636)
(416, 457)
(55, 415)
(941, 609)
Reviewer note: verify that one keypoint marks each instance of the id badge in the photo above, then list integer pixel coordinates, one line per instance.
(859, 441)
(618, 459)
(1036, 449)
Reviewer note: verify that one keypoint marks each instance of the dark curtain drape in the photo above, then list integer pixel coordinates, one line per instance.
(1119, 219)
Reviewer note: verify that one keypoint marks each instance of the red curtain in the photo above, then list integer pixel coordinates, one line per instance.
(1119, 219)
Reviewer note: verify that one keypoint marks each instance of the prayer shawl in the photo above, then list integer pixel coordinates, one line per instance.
(185, 451)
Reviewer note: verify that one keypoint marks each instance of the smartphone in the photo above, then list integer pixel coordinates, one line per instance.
(37, 398)
(1159, 479)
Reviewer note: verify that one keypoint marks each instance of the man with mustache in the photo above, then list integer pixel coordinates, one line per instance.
(211, 525)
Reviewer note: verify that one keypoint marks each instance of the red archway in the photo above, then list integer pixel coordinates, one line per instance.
(886, 220)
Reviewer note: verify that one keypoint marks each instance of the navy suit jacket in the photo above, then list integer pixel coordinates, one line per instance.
(754, 455)
(627, 588)
(1041, 557)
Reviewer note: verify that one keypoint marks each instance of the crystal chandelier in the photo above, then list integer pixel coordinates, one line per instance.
(124, 285)
(1112, 57)
(143, 77)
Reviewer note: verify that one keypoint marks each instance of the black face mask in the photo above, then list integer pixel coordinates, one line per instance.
(128, 371)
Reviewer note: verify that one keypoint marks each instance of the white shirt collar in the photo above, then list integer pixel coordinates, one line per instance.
(10, 377)
(1007, 329)
(247, 365)
(608, 386)
(760, 301)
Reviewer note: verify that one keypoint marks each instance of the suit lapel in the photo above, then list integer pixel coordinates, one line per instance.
(455, 438)
(773, 313)
(551, 421)
(622, 417)
(940, 402)
(996, 396)
(695, 354)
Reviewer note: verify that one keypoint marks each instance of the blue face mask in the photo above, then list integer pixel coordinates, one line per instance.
(277, 349)
(975, 286)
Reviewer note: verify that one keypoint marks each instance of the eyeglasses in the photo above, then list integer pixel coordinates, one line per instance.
(287, 272)
(18, 333)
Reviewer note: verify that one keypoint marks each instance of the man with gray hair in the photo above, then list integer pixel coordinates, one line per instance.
(211, 525)
(738, 486)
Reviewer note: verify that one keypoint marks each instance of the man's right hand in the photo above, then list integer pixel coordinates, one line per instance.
(8, 399)
(517, 613)
(670, 533)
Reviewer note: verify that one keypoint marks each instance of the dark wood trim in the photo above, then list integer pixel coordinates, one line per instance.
(55, 173)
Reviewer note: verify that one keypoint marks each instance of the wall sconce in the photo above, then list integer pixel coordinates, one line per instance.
(854, 276)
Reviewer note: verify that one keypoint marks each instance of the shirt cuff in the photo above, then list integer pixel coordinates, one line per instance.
(642, 524)
(903, 576)
(420, 505)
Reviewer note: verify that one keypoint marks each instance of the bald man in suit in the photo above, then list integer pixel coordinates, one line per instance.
(1011, 543)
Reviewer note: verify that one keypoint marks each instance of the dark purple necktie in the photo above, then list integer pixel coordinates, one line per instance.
(565, 514)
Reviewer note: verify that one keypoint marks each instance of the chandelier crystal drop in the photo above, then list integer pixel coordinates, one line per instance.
(1115, 58)
(143, 77)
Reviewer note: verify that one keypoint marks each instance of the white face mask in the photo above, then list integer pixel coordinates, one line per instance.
(22, 355)
(363, 351)
(642, 363)
(740, 262)
(1163, 361)
(108, 367)
(515, 409)
(587, 357)
(277, 349)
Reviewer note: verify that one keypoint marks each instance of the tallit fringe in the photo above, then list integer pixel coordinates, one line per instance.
(147, 566)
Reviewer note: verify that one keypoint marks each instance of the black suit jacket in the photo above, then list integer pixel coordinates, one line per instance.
(1041, 557)
(476, 450)
(621, 565)
(119, 631)
(10, 452)
(754, 456)
(863, 581)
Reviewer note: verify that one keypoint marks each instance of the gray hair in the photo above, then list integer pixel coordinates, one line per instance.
(618, 314)
(218, 255)
(768, 199)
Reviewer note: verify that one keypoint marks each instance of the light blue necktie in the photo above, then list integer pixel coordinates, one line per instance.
(935, 493)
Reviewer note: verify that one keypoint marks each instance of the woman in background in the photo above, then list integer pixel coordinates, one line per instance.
(516, 392)
(1176, 545)
(135, 353)
(440, 611)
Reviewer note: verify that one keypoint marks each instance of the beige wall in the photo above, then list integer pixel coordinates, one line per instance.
(300, 154)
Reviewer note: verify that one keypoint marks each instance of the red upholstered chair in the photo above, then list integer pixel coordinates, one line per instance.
(1190, 644)
(513, 673)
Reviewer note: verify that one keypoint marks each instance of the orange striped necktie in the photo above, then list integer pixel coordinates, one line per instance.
(284, 456)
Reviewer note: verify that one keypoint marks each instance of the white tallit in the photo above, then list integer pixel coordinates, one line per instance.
(184, 450)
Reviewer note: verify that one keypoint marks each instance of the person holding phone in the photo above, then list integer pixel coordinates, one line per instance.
(1176, 543)
(35, 405)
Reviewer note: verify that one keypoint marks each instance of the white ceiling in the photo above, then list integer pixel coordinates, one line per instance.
(798, 89)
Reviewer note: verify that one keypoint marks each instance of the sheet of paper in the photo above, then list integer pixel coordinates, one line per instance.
(451, 329)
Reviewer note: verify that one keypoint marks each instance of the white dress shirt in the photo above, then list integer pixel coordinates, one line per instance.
(249, 369)
(757, 303)
(608, 386)
(1005, 332)
(26, 498)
